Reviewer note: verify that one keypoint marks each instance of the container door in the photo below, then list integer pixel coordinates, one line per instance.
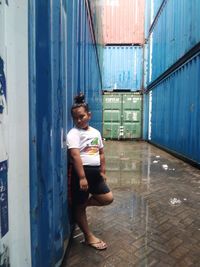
(112, 106)
(131, 114)
(122, 115)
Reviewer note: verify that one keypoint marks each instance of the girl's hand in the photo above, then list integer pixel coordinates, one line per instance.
(83, 184)
(104, 176)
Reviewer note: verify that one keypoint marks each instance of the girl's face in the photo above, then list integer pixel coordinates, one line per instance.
(81, 117)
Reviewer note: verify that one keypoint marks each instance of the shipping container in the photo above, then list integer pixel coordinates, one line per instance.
(122, 115)
(50, 225)
(148, 18)
(152, 10)
(95, 7)
(122, 67)
(175, 33)
(97, 27)
(122, 21)
(89, 73)
(171, 67)
(70, 41)
(146, 64)
(146, 116)
(176, 111)
(14, 136)
(47, 56)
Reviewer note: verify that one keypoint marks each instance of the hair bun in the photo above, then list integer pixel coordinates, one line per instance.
(79, 99)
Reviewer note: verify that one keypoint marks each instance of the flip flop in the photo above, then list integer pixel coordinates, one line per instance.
(99, 245)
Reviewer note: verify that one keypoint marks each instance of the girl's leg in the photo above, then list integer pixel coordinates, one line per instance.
(81, 219)
(80, 213)
(100, 200)
(90, 238)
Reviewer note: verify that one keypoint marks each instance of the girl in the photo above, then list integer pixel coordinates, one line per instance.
(88, 169)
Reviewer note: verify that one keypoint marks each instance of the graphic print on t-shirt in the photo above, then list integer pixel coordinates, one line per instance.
(93, 147)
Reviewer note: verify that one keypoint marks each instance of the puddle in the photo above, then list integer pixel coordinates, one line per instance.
(165, 166)
(175, 201)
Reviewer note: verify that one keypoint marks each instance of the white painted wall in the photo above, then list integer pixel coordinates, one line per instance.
(15, 53)
(4, 252)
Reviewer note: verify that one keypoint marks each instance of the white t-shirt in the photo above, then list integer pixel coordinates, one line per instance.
(88, 142)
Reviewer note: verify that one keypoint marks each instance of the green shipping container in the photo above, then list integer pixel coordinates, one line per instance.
(122, 115)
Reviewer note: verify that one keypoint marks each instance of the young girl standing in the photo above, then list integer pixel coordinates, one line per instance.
(88, 169)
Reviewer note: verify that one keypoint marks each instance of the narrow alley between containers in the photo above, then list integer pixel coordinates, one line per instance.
(155, 217)
(135, 64)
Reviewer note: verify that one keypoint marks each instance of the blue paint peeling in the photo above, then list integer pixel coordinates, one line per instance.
(3, 198)
(2, 78)
(2, 86)
(3, 163)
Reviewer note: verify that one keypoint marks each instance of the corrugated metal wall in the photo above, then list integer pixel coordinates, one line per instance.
(95, 7)
(63, 62)
(175, 32)
(122, 115)
(176, 111)
(50, 227)
(145, 126)
(98, 28)
(47, 56)
(152, 7)
(172, 77)
(122, 21)
(122, 67)
(120, 44)
(152, 10)
(90, 80)
(83, 72)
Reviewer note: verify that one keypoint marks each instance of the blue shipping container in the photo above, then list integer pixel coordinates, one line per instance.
(176, 111)
(62, 62)
(151, 11)
(122, 67)
(146, 113)
(176, 31)
(83, 67)
(50, 226)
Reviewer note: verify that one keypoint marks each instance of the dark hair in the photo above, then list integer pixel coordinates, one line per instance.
(79, 101)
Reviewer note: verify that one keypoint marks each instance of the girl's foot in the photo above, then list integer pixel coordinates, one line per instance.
(95, 242)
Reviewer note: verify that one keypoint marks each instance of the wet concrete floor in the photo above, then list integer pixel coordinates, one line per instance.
(155, 217)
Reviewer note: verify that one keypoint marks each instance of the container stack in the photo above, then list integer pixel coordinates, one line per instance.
(172, 81)
(122, 39)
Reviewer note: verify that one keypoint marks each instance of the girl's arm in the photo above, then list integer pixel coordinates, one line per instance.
(77, 162)
(102, 161)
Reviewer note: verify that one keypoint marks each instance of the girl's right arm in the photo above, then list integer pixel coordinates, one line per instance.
(77, 162)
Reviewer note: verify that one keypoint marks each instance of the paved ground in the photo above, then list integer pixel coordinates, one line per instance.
(155, 217)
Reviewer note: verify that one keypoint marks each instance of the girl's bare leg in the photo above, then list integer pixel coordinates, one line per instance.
(81, 217)
(100, 200)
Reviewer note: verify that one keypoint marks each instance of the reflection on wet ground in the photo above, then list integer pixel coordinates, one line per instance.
(155, 217)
